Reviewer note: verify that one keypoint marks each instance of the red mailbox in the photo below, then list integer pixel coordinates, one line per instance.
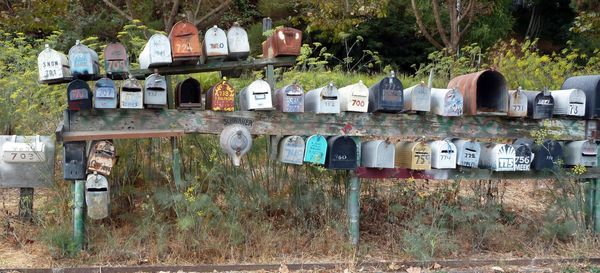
(283, 42)
(185, 43)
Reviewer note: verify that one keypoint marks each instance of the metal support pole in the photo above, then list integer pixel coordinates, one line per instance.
(79, 214)
(590, 191)
(596, 206)
(176, 164)
(26, 204)
(354, 208)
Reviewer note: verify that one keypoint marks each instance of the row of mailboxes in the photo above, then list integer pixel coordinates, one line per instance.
(337, 152)
(77, 163)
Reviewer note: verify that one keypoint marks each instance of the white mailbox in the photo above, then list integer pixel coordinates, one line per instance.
(446, 102)
(523, 157)
(569, 102)
(156, 52)
(291, 150)
(468, 152)
(354, 98)
(105, 94)
(517, 103)
(581, 152)
(23, 152)
(97, 196)
(498, 157)
(443, 154)
(417, 98)
(53, 66)
(378, 154)
(132, 96)
(215, 44)
(83, 61)
(323, 100)
(237, 41)
(155, 91)
(256, 96)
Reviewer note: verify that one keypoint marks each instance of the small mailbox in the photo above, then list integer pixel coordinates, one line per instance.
(188, 94)
(342, 153)
(102, 157)
(523, 157)
(581, 152)
(105, 94)
(446, 102)
(256, 96)
(417, 98)
(323, 100)
(155, 91)
(220, 97)
(544, 155)
(74, 160)
(590, 85)
(540, 105)
(156, 52)
(354, 98)
(83, 61)
(290, 99)
(316, 149)
(23, 152)
(53, 66)
(291, 150)
(237, 42)
(283, 42)
(517, 103)
(497, 157)
(79, 95)
(131, 96)
(468, 152)
(236, 141)
(484, 91)
(414, 155)
(443, 154)
(185, 43)
(116, 62)
(569, 102)
(215, 44)
(97, 196)
(378, 154)
(386, 95)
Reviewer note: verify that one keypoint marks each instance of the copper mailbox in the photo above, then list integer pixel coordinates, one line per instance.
(484, 91)
(188, 94)
(414, 155)
(283, 42)
(185, 43)
(116, 62)
(221, 97)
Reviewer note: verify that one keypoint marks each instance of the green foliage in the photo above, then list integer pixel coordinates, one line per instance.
(60, 241)
(445, 65)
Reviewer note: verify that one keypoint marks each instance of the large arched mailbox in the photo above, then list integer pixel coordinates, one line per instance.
(131, 96)
(291, 150)
(105, 94)
(386, 95)
(342, 153)
(83, 61)
(185, 43)
(517, 103)
(540, 105)
(484, 91)
(215, 44)
(316, 149)
(414, 155)
(256, 96)
(155, 91)
(590, 85)
(79, 95)
(102, 157)
(221, 97)
(323, 100)
(97, 196)
(523, 157)
(443, 154)
(569, 102)
(116, 62)
(53, 66)
(417, 98)
(156, 52)
(237, 41)
(354, 98)
(188, 94)
(283, 42)
(74, 160)
(497, 157)
(290, 99)
(378, 154)
(446, 102)
(582, 152)
(468, 152)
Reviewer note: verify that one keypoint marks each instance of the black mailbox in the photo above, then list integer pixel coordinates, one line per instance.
(386, 95)
(523, 157)
(342, 153)
(545, 155)
(590, 84)
(540, 105)
(74, 160)
(79, 95)
(188, 94)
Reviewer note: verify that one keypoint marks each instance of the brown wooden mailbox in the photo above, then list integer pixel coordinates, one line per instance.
(414, 155)
(221, 97)
(484, 91)
(116, 63)
(185, 43)
(188, 94)
(283, 42)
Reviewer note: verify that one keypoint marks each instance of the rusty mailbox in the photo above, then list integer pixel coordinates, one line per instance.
(256, 96)
(569, 102)
(523, 157)
(497, 157)
(79, 95)
(484, 91)
(221, 97)
(291, 150)
(74, 160)
(386, 95)
(215, 44)
(582, 152)
(378, 154)
(446, 102)
(102, 157)
(116, 62)
(316, 149)
(185, 43)
(156, 52)
(97, 196)
(83, 62)
(468, 152)
(590, 85)
(105, 94)
(188, 94)
(540, 105)
(354, 98)
(342, 153)
(155, 91)
(417, 98)
(414, 155)
(131, 96)
(443, 154)
(53, 66)
(237, 41)
(517, 103)
(323, 100)
(283, 42)
(290, 99)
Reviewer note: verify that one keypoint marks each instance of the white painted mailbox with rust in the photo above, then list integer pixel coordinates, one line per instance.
(102, 157)
(517, 103)
(53, 66)
(156, 52)
(237, 42)
(417, 98)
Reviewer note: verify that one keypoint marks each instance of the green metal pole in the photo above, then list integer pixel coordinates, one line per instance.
(176, 164)
(590, 191)
(354, 208)
(596, 207)
(79, 214)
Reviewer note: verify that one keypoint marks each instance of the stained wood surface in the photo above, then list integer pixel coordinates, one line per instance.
(465, 173)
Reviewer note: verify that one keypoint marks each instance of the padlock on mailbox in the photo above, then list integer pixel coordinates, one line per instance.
(237, 42)
(354, 98)
(215, 44)
(105, 94)
(323, 100)
(540, 105)
(342, 153)
(468, 152)
(131, 96)
(386, 95)
(156, 52)
(316, 149)
(53, 66)
(23, 152)
(378, 154)
(74, 160)
(155, 91)
(582, 152)
(414, 155)
(569, 102)
(97, 196)
(221, 97)
(443, 154)
(116, 62)
(79, 95)
(484, 91)
(290, 99)
(185, 43)
(102, 157)
(517, 103)
(417, 98)
(523, 157)
(256, 96)
(291, 150)
(446, 102)
(590, 85)
(236, 141)
(83, 62)
(188, 94)
(497, 157)
(284, 41)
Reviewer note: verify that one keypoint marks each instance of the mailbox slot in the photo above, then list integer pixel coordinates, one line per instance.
(590, 85)
(342, 153)
(97, 196)
(323, 100)
(74, 160)
(215, 44)
(316, 149)
(283, 42)
(540, 105)
(155, 91)
(523, 157)
(156, 52)
(497, 157)
(468, 152)
(132, 96)
(378, 154)
(116, 62)
(570, 102)
(83, 62)
(53, 66)
(291, 150)
(185, 43)
(102, 157)
(417, 98)
(386, 95)
(105, 93)
(446, 102)
(484, 91)
(237, 41)
(290, 99)
(443, 154)
(517, 103)
(79, 95)
(581, 152)
(354, 98)
(220, 97)
(188, 94)
(256, 96)
(413, 155)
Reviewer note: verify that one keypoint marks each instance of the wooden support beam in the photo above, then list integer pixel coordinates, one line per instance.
(466, 173)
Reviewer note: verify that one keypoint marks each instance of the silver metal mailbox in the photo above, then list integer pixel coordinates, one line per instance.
(446, 102)
(83, 61)
(497, 157)
(517, 103)
(323, 100)
(290, 99)
(468, 152)
(256, 96)
(237, 41)
(215, 44)
(155, 91)
(131, 96)
(582, 152)
(26, 161)
(569, 102)
(378, 154)
(354, 98)
(105, 94)
(53, 66)
(540, 104)
(97, 196)
(417, 98)
(236, 141)
(443, 154)
(156, 52)
(291, 150)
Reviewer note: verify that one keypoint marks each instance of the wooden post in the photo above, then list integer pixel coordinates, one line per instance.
(26, 204)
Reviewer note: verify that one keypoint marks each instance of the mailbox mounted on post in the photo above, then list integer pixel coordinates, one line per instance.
(354, 98)
(116, 62)
(237, 42)
(79, 95)
(484, 91)
(517, 103)
(443, 154)
(468, 152)
(446, 102)
(53, 66)
(74, 160)
(323, 100)
(581, 152)
(386, 95)
(220, 97)
(185, 43)
(417, 98)
(540, 105)
(97, 196)
(316, 149)
(256, 96)
(155, 91)
(590, 85)
(414, 155)
(156, 52)
(83, 62)
(105, 93)
(523, 157)
(291, 150)
(378, 154)
(102, 157)
(497, 157)
(342, 153)
(131, 96)
(290, 99)
(569, 102)
(188, 94)
(215, 44)
(283, 42)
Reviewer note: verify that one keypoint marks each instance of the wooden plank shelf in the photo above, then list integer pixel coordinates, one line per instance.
(465, 173)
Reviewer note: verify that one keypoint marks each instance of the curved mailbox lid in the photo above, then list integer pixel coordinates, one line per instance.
(354, 98)
(446, 102)
(185, 41)
(237, 41)
(468, 152)
(342, 153)
(105, 93)
(378, 154)
(215, 42)
(221, 97)
(188, 94)
(417, 98)
(156, 52)
(323, 100)
(569, 102)
(79, 95)
(256, 96)
(131, 96)
(498, 157)
(517, 103)
(582, 152)
(443, 154)
(523, 157)
(290, 99)
(155, 90)
(116, 62)
(590, 84)
(484, 91)
(83, 61)
(52, 65)
(386, 95)
(316, 149)
(102, 157)
(540, 105)
(291, 150)
(97, 196)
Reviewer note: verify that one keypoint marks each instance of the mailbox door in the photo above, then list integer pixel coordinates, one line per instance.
(523, 157)
(377, 154)
(354, 98)
(316, 149)
(157, 52)
(215, 43)
(290, 99)
(97, 196)
(81, 61)
(386, 96)
(291, 150)
(185, 43)
(105, 93)
(540, 104)
(188, 94)
(546, 155)
(443, 155)
(581, 152)
(342, 153)
(236, 141)
(468, 153)
(446, 102)
(221, 97)
(569, 102)
(52, 65)
(131, 96)
(79, 95)
(589, 154)
(517, 103)
(286, 41)
(116, 62)
(577, 103)
(102, 157)
(155, 91)
(590, 85)
(417, 98)
(504, 158)
(420, 156)
(74, 160)
(237, 41)
(258, 95)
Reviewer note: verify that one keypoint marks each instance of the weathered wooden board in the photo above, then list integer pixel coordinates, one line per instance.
(466, 173)
(28, 175)
(132, 123)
